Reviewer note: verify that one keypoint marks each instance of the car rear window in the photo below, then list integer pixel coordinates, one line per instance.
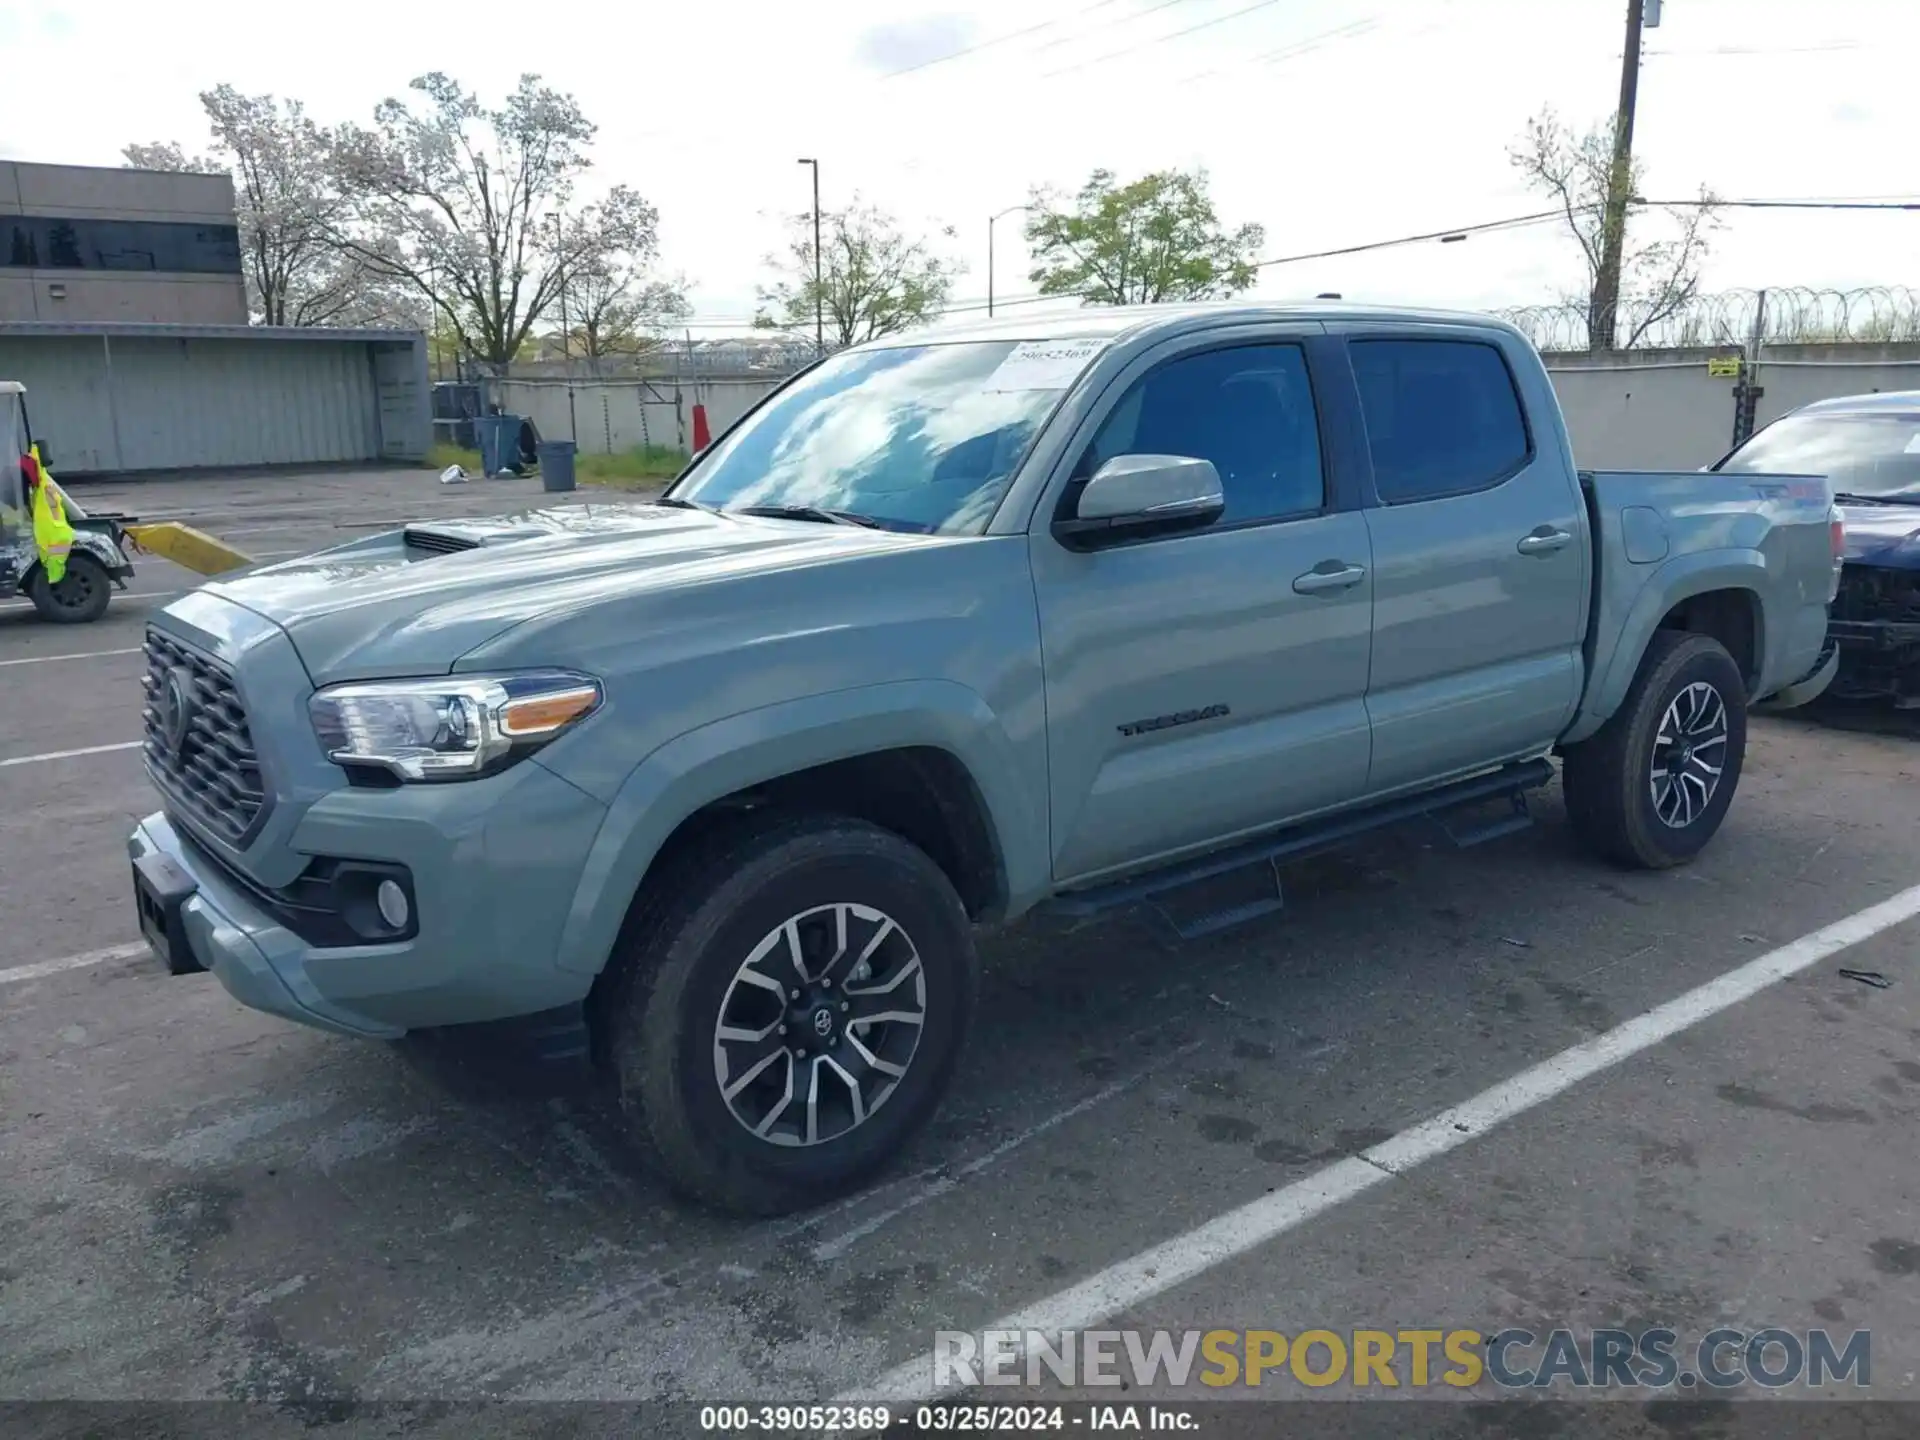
(1443, 417)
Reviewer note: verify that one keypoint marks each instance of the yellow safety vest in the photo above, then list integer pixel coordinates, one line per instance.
(52, 535)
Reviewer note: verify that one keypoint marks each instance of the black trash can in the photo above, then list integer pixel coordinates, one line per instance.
(556, 464)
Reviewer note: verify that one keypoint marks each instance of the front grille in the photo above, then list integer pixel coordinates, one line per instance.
(1871, 593)
(201, 757)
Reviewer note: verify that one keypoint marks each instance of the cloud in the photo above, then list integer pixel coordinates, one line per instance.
(886, 48)
(1850, 113)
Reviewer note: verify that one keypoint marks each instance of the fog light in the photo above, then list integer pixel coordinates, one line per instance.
(392, 901)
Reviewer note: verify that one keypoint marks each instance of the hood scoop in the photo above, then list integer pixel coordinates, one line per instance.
(438, 542)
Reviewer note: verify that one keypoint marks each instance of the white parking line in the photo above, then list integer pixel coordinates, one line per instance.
(78, 655)
(70, 754)
(120, 595)
(1174, 1262)
(21, 973)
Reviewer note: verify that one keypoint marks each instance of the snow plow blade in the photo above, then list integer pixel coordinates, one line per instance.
(187, 547)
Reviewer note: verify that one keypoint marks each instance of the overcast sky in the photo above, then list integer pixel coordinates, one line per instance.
(1330, 122)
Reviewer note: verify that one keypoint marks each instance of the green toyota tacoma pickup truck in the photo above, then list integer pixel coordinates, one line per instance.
(1080, 611)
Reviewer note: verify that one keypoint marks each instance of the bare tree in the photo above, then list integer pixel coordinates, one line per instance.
(613, 309)
(287, 205)
(1659, 277)
(458, 202)
(874, 280)
(1155, 239)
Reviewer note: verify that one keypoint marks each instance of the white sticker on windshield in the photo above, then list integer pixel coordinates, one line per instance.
(1913, 443)
(1043, 364)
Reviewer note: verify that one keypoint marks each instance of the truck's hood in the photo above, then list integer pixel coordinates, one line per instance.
(412, 601)
(1886, 536)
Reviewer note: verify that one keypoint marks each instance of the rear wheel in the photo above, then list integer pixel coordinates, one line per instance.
(789, 1007)
(80, 597)
(1652, 785)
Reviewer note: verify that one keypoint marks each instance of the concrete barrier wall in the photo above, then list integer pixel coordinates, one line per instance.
(1640, 410)
(609, 416)
(1662, 410)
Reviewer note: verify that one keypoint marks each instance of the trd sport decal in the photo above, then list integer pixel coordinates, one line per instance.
(1179, 717)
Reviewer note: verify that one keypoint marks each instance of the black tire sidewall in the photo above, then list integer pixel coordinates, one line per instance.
(1710, 663)
(689, 1118)
(42, 592)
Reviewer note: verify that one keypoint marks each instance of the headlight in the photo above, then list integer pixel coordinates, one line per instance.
(450, 728)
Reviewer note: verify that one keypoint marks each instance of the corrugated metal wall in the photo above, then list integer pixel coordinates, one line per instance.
(121, 403)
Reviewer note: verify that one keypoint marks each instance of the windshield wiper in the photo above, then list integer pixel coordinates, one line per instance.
(674, 502)
(1846, 499)
(809, 512)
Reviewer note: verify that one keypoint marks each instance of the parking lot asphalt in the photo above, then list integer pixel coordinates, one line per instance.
(197, 1201)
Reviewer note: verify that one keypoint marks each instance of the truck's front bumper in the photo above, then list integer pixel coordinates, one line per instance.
(493, 867)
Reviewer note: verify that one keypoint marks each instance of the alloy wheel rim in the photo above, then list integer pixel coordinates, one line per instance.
(1689, 755)
(820, 1024)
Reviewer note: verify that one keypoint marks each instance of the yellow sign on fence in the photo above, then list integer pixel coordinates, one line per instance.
(1724, 367)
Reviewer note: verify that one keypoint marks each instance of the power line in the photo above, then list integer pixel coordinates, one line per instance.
(1349, 31)
(1485, 227)
(997, 40)
(1780, 204)
(1755, 50)
(1126, 19)
(1161, 39)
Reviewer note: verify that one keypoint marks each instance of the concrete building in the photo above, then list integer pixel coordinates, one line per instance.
(85, 244)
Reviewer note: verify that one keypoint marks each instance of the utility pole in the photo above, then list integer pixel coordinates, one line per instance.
(1604, 305)
(819, 289)
(1011, 209)
(566, 346)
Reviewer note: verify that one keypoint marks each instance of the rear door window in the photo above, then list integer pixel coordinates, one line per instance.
(1443, 417)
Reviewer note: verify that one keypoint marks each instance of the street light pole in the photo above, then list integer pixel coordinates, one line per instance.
(1011, 209)
(819, 287)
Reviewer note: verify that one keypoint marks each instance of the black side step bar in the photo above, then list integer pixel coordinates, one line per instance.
(1509, 783)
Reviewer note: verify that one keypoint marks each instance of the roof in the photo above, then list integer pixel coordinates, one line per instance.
(1881, 402)
(132, 330)
(1106, 321)
(12, 387)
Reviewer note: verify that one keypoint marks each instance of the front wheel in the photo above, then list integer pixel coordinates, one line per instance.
(80, 597)
(787, 1010)
(1652, 785)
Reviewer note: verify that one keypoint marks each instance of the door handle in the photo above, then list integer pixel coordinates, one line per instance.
(1319, 581)
(1543, 541)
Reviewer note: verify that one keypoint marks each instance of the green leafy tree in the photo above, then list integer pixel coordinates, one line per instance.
(1155, 239)
(874, 279)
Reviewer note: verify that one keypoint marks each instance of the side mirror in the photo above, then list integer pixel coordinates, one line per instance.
(45, 453)
(1132, 496)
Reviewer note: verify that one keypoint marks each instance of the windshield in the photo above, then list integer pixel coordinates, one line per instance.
(13, 445)
(922, 438)
(1874, 456)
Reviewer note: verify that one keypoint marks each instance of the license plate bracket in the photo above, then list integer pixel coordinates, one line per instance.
(160, 887)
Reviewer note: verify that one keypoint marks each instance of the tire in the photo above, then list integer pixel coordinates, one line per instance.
(1616, 806)
(81, 596)
(679, 969)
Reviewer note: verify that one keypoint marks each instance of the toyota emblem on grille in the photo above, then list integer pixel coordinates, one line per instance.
(176, 708)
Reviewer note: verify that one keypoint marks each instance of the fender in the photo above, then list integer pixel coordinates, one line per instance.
(1680, 578)
(725, 756)
(86, 542)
